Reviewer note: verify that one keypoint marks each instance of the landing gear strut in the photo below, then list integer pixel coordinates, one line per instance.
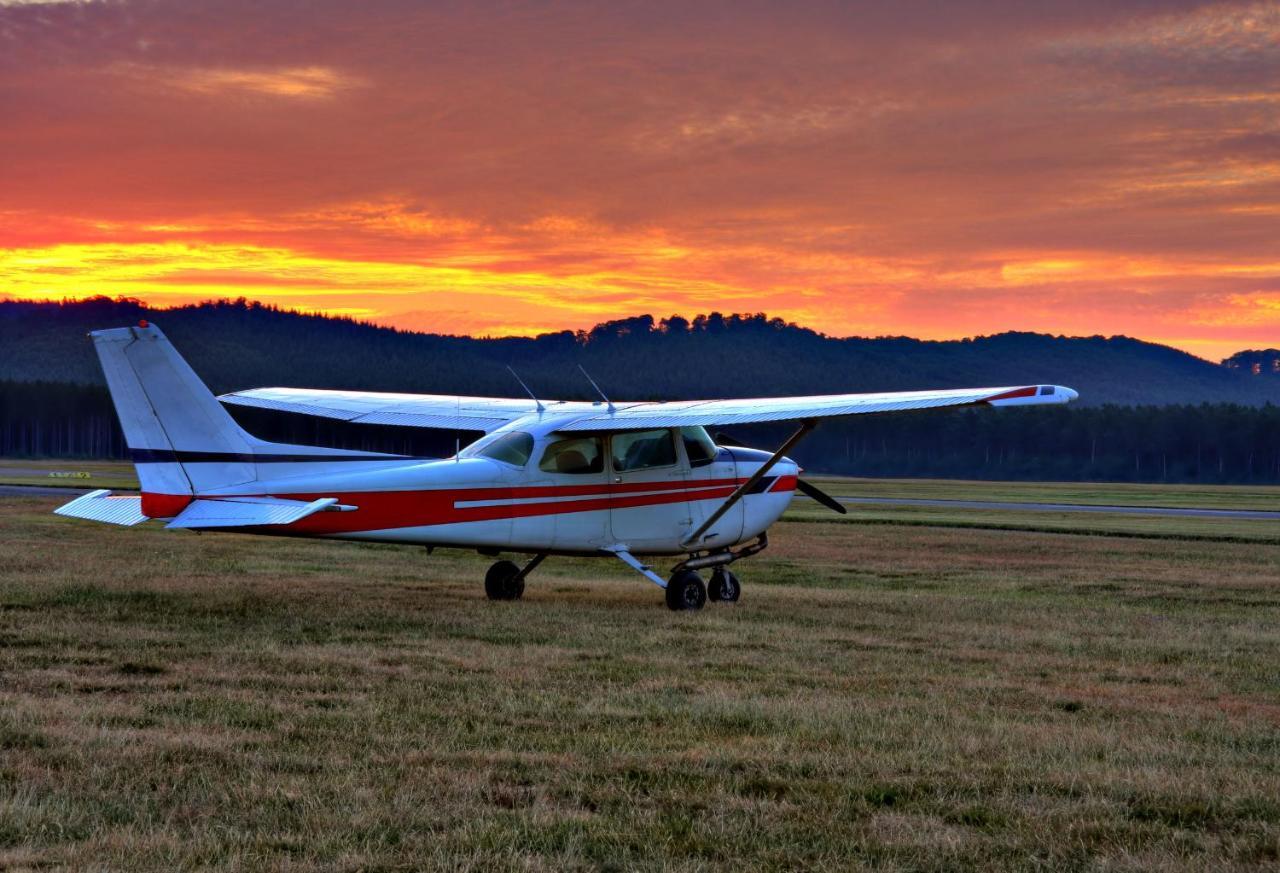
(505, 580)
(686, 591)
(724, 586)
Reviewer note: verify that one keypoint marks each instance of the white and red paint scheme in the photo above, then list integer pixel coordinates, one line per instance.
(548, 478)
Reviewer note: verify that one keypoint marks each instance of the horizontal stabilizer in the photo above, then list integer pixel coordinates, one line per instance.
(100, 505)
(247, 511)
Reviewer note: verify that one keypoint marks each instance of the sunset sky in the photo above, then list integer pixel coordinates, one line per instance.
(931, 169)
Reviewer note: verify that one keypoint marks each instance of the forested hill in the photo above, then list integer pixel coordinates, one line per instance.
(240, 345)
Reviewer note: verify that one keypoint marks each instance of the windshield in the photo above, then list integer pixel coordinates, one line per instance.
(510, 448)
(698, 445)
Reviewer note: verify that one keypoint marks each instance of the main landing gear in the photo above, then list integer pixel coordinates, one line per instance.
(686, 591)
(505, 580)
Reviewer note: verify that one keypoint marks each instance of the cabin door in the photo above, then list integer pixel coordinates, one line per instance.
(568, 496)
(649, 505)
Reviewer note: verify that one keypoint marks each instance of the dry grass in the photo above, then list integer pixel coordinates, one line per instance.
(884, 696)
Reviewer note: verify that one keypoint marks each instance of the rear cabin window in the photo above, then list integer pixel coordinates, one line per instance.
(698, 445)
(577, 455)
(513, 448)
(640, 451)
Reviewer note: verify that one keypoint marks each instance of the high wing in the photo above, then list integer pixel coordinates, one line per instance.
(374, 407)
(490, 413)
(762, 409)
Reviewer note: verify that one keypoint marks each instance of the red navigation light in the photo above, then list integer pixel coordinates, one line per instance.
(142, 323)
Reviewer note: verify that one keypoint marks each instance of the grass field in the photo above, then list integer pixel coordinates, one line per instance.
(886, 695)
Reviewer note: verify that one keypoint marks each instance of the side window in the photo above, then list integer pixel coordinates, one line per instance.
(511, 448)
(639, 451)
(577, 455)
(698, 445)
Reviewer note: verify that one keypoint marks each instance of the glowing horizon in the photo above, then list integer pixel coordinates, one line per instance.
(857, 170)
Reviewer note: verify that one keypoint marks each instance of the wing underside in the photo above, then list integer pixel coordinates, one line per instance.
(372, 407)
(767, 409)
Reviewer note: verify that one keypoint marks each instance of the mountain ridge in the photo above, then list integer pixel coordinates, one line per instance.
(241, 344)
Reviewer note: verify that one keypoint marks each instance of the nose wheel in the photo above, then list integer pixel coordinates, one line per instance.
(685, 591)
(724, 586)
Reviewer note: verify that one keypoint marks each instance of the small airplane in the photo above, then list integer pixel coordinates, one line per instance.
(618, 480)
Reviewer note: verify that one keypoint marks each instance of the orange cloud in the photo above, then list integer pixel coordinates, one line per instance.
(304, 82)
(550, 274)
(1089, 167)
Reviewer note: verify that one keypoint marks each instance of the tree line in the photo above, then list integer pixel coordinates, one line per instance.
(1207, 443)
(239, 344)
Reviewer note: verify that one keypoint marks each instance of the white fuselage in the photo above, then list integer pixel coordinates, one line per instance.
(476, 501)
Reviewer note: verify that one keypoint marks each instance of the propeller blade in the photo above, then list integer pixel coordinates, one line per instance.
(821, 496)
(723, 439)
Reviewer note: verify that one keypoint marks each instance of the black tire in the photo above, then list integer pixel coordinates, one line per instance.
(502, 582)
(685, 591)
(724, 587)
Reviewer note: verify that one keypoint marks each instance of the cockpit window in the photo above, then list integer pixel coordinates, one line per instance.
(577, 455)
(640, 451)
(512, 448)
(698, 445)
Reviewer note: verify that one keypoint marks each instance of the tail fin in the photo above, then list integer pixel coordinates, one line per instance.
(180, 438)
(183, 442)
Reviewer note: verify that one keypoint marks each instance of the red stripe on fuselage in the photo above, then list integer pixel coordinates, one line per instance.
(385, 510)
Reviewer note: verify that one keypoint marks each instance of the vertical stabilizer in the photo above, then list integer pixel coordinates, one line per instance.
(180, 438)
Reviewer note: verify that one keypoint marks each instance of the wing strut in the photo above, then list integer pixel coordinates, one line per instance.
(693, 538)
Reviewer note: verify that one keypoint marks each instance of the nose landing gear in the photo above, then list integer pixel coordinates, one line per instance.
(724, 586)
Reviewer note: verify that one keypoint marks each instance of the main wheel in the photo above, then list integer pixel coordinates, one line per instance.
(686, 591)
(503, 582)
(724, 586)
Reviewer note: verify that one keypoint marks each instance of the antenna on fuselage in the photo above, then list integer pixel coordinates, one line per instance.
(597, 387)
(532, 396)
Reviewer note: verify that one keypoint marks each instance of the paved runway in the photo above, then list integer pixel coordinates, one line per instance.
(40, 491)
(1167, 511)
(1066, 507)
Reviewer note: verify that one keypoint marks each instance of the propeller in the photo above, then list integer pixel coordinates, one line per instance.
(806, 488)
(821, 496)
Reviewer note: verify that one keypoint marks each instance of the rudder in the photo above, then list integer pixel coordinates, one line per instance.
(170, 418)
